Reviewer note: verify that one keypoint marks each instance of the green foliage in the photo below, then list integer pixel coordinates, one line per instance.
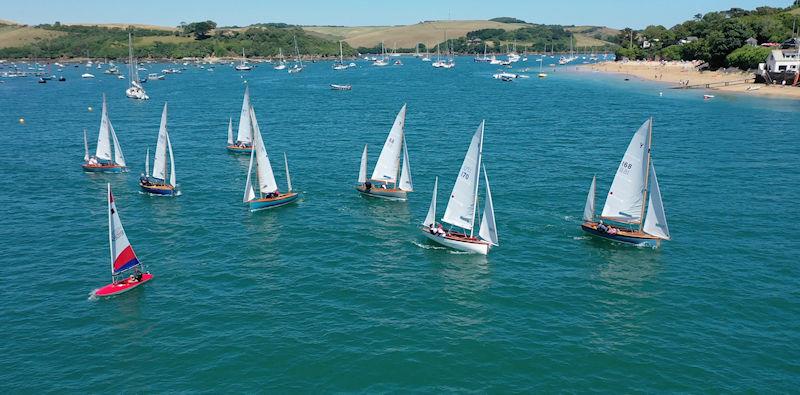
(534, 36)
(199, 29)
(507, 19)
(629, 53)
(672, 52)
(747, 57)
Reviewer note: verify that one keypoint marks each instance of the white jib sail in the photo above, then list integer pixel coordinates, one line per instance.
(245, 134)
(461, 206)
(249, 194)
(656, 221)
(588, 210)
(430, 219)
(147, 163)
(172, 179)
(230, 131)
(362, 171)
(266, 178)
(119, 158)
(488, 230)
(288, 178)
(85, 147)
(103, 150)
(405, 172)
(624, 201)
(389, 161)
(160, 160)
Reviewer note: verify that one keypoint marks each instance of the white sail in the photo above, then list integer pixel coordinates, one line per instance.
(624, 201)
(119, 158)
(266, 178)
(249, 194)
(362, 172)
(461, 206)
(172, 179)
(389, 161)
(288, 179)
(147, 163)
(488, 230)
(230, 131)
(245, 134)
(405, 172)
(122, 255)
(588, 210)
(85, 147)
(656, 221)
(160, 160)
(103, 150)
(430, 219)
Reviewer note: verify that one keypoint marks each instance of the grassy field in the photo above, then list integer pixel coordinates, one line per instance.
(407, 36)
(15, 36)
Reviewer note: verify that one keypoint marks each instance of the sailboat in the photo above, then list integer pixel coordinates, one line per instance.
(135, 89)
(156, 183)
(382, 61)
(427, 57)
(298, 67)
(542, 74)
(269, 196)
(281, 63)
(384, 182)
(438, 63)
(102, 160)
(461, 207)
(123, 259)
(630, 219)
(242, 66)
(341, 65)
(244, 137)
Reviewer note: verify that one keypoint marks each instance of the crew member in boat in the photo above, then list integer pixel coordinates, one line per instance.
(93, 161)
(368, 186)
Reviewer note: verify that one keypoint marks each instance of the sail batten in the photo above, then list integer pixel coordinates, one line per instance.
(389, 160)
(626, 197)
(460, 209)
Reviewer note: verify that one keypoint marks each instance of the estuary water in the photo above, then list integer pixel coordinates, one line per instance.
(342, 293)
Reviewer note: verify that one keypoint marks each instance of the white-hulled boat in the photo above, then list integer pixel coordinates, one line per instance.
(102, 160)
(244, 136)
(162, 181)
(135, 89)
(384, 182)
(243, 66)
(281, 63)
(340, 65)
(629, 219)
(462, 205)
(269, 196)
(298, 67)
(380, 62)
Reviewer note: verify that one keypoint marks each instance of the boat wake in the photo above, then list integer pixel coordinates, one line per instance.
(428, 246)
(580, 237)
(92, 295)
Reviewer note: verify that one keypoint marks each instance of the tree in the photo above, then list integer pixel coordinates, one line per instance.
(199, 29)
(747, 57)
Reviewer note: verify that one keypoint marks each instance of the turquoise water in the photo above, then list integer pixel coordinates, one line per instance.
(342, 293)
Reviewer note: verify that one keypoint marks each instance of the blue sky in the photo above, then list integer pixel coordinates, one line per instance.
(613, 13)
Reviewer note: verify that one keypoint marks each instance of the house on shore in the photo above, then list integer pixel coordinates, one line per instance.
(782, 65)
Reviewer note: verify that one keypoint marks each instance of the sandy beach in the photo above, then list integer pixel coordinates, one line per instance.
(679, 73)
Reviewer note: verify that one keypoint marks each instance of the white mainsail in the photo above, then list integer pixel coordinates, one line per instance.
(122, 255)
(405, 172)
(625, 198)
(103, 150)
(461, 206)
(85, 147)
(266, 178)
(160, 160)
(245, 134)
(588, 210)
(430, 219)
(288, 179)
(230, 131)
(656, 221)
(362, 171)
(389, 161)
(488, 229)
(118, 157)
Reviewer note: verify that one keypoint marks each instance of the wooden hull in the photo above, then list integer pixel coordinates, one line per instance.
(122, 286)
(158, 189)
(383, 193)
(103, 168)
(474, 246)
(235, 149)
(627, 237)
(268, 203)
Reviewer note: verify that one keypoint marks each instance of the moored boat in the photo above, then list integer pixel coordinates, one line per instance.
(633, 212)
(135, 89)
(341, 87)
(162, 181)
(384, 182)
(103, 160)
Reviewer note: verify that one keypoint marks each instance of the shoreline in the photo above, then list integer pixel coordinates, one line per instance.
(674, 74)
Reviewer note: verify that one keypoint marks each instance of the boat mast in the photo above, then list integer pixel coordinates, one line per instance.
(110, 232)
(646, 174)
(477, 183)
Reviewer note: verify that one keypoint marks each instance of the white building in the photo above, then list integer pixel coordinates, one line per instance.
(781, 60)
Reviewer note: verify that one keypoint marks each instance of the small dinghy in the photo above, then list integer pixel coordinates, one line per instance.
(156, 183)
(244, 137)
(341, 87)
(462, 205)
(630, 219)
(706, 97)
(384, 183)
(101, 161)
(123, 259)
